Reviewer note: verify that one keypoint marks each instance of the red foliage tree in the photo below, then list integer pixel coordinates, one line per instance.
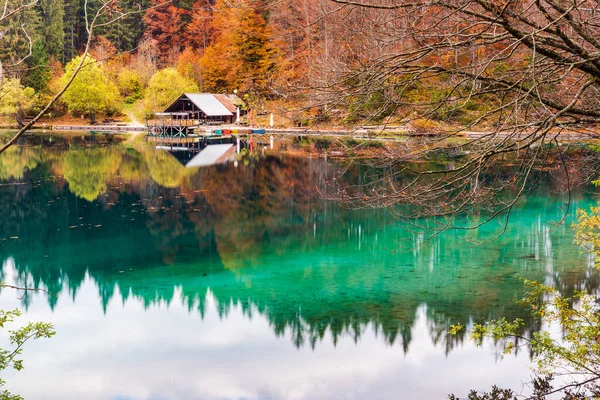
(166, 24)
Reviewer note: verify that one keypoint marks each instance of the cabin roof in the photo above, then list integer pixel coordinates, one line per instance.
(212, 154)
(227, 102)
(206, 102)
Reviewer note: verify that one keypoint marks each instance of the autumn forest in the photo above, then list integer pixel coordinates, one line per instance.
(158, 49)
(432, 64)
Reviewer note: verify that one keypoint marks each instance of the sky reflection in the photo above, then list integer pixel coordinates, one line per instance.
(165, 352)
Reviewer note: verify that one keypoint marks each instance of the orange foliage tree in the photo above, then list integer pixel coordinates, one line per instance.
(300, 33)
(199, 32)
(243, 56)
(188, 65)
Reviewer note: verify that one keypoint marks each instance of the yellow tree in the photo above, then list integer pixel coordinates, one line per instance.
(91, 92)
(165, 86)
(587, 230)
(14, 96)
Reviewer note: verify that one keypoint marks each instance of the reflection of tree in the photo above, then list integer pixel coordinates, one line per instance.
(133, 167)
(16, 160)
(165, 169)
(88, 171)
(255, 236)
(251, 203)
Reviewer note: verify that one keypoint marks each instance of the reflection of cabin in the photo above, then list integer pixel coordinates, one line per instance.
(192, 110)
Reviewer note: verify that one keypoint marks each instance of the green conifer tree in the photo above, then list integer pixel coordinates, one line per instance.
(74, 31)
(125, 33)
(52, 13)
(38, 74)
(19, 32)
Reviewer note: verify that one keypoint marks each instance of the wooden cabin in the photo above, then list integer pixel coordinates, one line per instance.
(191, 110)
(202, 107)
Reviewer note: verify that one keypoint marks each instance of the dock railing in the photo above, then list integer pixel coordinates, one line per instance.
(170, 126)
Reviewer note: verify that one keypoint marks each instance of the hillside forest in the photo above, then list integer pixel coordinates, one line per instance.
(141, 62)
(276, 54)
(496, 65)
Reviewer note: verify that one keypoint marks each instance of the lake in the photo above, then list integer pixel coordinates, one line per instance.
(239, 282)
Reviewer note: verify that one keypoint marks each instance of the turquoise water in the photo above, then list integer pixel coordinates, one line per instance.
(239, 283)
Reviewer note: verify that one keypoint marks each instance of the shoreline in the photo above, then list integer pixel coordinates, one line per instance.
(388, 134)
(312, 145)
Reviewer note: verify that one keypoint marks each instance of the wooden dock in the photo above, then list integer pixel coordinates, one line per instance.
(98, 128)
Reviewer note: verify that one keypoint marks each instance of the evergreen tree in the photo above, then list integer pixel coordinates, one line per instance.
(73, 36)
(52, 13)
(125, 33)
(18, 32)
(38, 74)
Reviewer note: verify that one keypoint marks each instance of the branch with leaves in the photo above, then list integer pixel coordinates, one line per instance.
(11, 357)
(573, 356)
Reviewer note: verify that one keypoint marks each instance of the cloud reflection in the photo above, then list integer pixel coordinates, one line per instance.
(132, 352)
